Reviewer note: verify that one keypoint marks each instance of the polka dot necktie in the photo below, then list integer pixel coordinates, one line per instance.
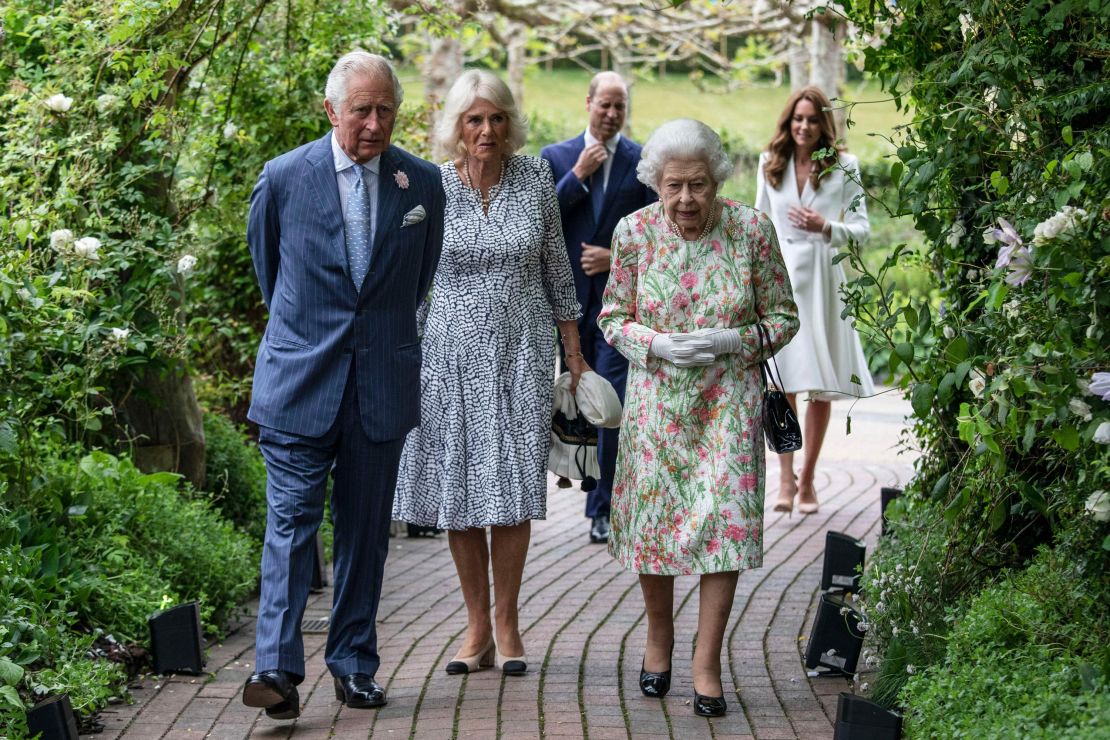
(359, 229)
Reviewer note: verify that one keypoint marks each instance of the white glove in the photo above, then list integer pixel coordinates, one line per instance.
(682, 350)
(721, 341)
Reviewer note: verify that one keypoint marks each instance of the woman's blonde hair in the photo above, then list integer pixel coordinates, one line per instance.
(472, 85)
(781, 147)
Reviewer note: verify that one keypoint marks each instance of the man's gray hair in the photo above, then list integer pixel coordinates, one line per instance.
(359, 63)
(684, 138)
(472, 85)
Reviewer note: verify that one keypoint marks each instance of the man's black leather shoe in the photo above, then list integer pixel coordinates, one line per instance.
(599, 529)
(275, 691)
(359, 691)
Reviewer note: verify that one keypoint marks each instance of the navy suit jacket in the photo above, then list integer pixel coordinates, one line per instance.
(624, 195)
(319, 322)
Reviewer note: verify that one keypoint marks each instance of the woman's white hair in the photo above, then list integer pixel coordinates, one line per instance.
(359, 63)
(683, 138)
(472, 85)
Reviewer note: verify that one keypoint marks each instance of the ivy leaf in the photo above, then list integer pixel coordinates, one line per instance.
(922, 398)
(10, 673)
(11, 696)
(1067, 437)
(905, 352)
(957, 505)
(998, 516)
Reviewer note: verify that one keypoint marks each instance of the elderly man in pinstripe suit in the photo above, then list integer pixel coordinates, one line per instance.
(345, 234)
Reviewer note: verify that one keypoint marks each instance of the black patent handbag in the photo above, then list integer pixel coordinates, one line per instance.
(780, 423)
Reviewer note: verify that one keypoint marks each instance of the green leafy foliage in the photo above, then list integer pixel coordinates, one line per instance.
(236, 475)
(1004, 171)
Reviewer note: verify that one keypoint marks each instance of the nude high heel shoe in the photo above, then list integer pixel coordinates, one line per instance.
(785, 504)
(472, 663)
(807, 507)
(510, 666)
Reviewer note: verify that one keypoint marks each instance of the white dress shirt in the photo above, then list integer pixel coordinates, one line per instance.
(345, 178)
(607, 165)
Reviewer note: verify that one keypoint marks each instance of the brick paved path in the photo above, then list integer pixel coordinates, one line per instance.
(583, 627)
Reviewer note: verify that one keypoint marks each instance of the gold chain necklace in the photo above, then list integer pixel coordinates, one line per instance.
(483, 197)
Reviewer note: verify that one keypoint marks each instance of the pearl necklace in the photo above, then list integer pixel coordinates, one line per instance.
(709, 223)
(484, 198)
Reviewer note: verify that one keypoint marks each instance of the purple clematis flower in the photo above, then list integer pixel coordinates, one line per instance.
(1021, 267)
(1100, 385)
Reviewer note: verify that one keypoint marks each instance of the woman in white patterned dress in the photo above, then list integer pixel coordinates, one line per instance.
(479, 457)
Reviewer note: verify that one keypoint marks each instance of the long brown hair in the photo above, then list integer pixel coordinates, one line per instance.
(782, 145)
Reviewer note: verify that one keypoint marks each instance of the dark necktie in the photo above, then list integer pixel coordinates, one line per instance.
(597, 191)
(359, 229)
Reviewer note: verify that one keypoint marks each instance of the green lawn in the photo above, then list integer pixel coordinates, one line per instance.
(748, 114)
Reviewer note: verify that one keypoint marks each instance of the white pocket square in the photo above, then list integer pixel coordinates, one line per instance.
(415, 216)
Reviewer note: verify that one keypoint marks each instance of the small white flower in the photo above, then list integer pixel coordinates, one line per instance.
(120, 335)
(977, 383)
(864, 686)
(58, 103)
(968, 27)
(186, 264)
(60, 238)
(894, 630)
(864, 626)
(87, 247)
(910, 669)
(949, 332)
(1098, 506)
(915, 630)
(844, 610)
(1010, 308)
(872, 661)
(1102, 434)
(24, 294)
(230, 129)
(956, 234)
(1080, 409)
(971, 273)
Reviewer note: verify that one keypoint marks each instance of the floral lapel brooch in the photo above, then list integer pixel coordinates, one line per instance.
(401, 179)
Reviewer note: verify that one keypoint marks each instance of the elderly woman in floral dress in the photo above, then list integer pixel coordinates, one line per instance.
(693, 278)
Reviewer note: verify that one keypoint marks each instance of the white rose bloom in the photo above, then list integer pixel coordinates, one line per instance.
(186, 264)
(1066, 219)
(60, 238)
(1080, 408)
(977, 383)
(1098, 506)
(106, 102)
(87, 247)
(120, 335)
(230, 129)
(1102, 434)
(58, 103)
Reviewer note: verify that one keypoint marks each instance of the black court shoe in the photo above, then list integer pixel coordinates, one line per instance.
(709, 706)
(656, 685)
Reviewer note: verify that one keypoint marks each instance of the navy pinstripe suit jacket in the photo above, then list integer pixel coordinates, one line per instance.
(319, 322)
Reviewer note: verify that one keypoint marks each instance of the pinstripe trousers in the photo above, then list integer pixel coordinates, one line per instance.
(364, 477)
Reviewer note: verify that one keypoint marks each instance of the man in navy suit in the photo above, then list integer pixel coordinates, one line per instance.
(345, 234)
(595, 175)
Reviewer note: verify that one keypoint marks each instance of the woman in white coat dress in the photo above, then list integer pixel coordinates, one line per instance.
(817, 206)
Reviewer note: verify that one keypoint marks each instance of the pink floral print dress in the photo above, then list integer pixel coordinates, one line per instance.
(688, 492)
